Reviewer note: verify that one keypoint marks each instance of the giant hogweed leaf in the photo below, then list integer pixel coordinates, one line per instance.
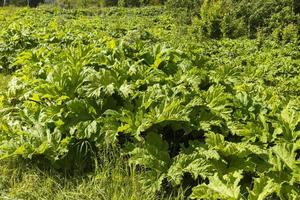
(124, 122)
(127, 90)
(289, 121)
(155, 107)
(248, 131)
(103, 82)
(163, 59)
(225, 73)
(218, 101)
(36, 140)
(16, 87)
(225, 148)
(254, 129)
(153, 155)
(246, 107)
(226, 187)
(80, 109)
(237, 156)
(170, 109)
(214, 140)
(289, 191)
(69, 75)
(109, 128)
(287, 154)
(203, 118)
(239, 150)
(192, 164)
(194, 160)
(152, 181)
(255, 122)
(136, 71)
(79, 56)
(86, 130)
(134, 123)
(263, 187)
(154, 95)
(190, 78)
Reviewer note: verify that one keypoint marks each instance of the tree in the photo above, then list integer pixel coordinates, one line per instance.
(34, 3)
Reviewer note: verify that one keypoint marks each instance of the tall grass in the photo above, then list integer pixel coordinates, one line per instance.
(111, 181)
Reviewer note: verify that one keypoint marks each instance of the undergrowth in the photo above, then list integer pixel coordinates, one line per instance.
(112, 181)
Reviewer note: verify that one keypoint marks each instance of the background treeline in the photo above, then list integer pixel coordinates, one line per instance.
(226, 18)
(279, 19)
(107, 3)
(236, 18)
(213, 18)
(86, 3)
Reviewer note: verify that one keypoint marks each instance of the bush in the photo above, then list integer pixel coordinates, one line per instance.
(228, 18)
(86, 3)
(216, 18)
(129, 3)
(290, 33)
(191, 6)
(15, 2)
(296, 6)
(110, 2)
(184, 10)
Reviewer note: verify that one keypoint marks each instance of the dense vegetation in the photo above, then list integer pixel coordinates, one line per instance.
(197, 99)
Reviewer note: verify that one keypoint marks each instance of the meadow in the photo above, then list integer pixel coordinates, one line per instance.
(150, 102)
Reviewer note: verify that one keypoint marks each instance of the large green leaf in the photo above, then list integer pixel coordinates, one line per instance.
(226, 187)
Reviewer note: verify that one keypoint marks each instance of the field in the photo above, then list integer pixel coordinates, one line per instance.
(138, 103)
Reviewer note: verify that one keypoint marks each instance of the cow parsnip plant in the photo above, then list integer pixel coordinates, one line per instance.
(220, 119)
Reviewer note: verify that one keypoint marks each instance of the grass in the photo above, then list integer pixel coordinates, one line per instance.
(21, 180)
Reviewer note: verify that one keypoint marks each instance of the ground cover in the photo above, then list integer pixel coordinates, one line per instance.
(133, 103)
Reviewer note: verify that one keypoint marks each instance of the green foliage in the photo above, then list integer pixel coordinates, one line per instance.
(4, 79)
(129, 3)
(113, 180)
(220, 18)
(218, 119)
(183, 10)
(225, 188)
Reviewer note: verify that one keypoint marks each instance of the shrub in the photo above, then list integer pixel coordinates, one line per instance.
(184, 10)
(228, 18)
(290, 33)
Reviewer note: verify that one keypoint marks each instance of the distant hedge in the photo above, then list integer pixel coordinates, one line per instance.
(237, 18)
(84, 3)
(216, 18)
(107, 3)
